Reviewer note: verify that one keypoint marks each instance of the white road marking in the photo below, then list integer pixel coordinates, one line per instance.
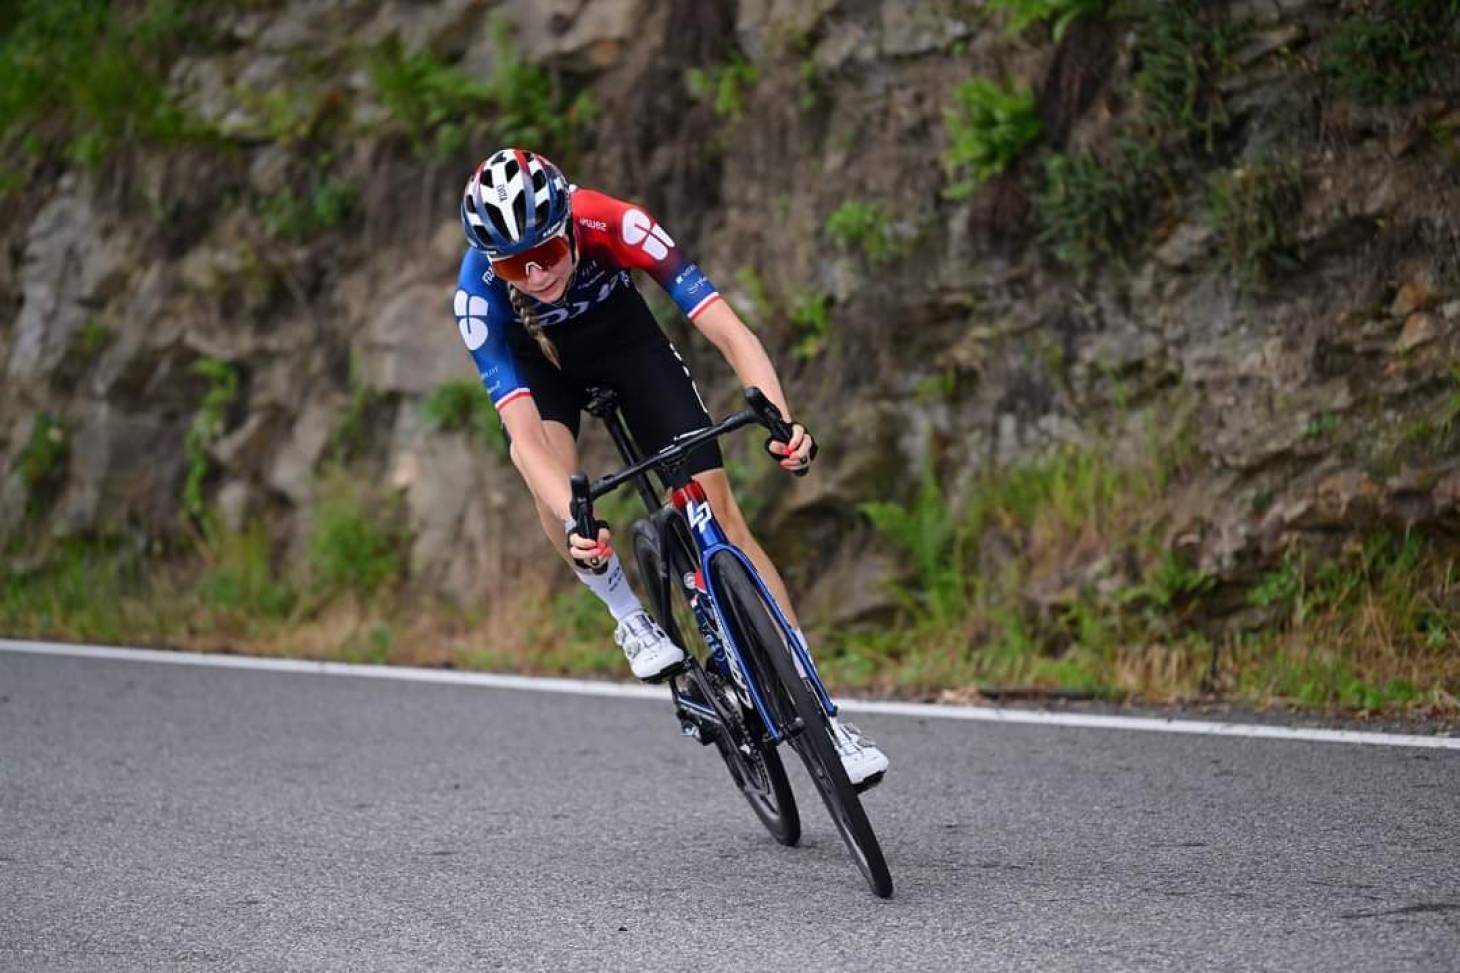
(586, 687)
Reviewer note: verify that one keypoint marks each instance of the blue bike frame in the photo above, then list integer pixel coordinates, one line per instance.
(710, 540)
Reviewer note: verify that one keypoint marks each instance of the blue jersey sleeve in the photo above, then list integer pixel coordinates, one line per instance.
(483, 314)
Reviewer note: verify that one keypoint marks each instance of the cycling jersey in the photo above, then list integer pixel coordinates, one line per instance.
(614, 238)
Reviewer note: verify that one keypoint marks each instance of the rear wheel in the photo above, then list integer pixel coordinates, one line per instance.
(755, 768)
(796, 710)
(671, 611)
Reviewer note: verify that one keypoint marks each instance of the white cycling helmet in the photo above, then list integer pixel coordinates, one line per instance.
(514, 200)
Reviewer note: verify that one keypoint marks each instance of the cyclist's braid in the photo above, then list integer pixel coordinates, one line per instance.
(534, 327)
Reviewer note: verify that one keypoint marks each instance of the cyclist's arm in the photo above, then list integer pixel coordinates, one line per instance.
(534, 458)
(743, 351)
(483, 315)
(746, 355)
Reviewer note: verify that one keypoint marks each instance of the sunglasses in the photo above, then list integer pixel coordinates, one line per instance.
(545, 256)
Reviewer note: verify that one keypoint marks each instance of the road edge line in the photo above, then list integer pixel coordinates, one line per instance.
(588, 687)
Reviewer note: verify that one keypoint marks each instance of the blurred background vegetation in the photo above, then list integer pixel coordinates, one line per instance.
(1133, 329)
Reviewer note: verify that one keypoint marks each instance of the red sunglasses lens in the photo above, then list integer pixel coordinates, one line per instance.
(545, 255)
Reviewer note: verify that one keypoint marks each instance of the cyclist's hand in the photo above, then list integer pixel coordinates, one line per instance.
(589, 554)
(796, 454)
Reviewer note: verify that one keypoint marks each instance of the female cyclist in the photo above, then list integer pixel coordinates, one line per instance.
(548, 308)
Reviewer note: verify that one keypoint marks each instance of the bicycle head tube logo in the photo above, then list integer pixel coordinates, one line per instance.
(699, 514)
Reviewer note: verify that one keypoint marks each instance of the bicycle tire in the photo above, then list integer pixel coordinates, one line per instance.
(647, 557)
(760, 777)
(758, 774)
(765, 649)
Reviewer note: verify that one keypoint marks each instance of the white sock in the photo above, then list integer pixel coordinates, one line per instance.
(612, 588)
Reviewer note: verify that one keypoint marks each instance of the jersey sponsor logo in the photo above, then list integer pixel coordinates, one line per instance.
(584, 301)
(471, 319)
(561, 314)
(640, 231)
(598, 225)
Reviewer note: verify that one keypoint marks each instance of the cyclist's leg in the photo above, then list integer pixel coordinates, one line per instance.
(559, 395)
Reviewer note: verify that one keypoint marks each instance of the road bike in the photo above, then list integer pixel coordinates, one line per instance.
(749, 685)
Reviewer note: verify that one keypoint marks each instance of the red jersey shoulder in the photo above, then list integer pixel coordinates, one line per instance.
(625, 233)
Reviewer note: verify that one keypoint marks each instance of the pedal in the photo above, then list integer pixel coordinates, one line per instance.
(870, 782)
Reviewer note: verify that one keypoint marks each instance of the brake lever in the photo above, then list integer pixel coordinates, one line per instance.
(780, 429)
(581, 507)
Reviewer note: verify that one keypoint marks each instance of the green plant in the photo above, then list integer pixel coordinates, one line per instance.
(286, 114)
(1171, 583)
(42, 463)
(1392, 52)
(931, 536)
(1253, 208)
(239, 578)
(463, 405)
(206, 427)
(370, 645)
(572, 636)
(937, 387)
(1088, 210)
(1320, 426)
(987, 127)
(356, 542)
(82, 591)
(432, 100)
(811, 319)
(532, 107)
(94, 336)
(812, 88)
(1061, 12)
(1183, 49)
(725, 86)
(349, 437)
(90, 77)
(1279, 587)
(425, 96)
(864, 228)
(298, 219)
(1450, 408)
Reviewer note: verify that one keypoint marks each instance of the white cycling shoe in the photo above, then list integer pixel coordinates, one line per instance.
(864, 762)
(651, 654)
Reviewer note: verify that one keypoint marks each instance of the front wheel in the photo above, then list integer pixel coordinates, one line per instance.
(797, 712)
(755, 767)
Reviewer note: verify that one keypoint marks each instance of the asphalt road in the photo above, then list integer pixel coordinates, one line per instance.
(164, 817)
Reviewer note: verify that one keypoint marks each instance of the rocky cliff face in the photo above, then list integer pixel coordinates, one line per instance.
(1271, 306)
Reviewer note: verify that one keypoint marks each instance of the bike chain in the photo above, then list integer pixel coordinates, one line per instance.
(755, 758)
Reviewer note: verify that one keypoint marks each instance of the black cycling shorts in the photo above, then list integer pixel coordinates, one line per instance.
(618, 346)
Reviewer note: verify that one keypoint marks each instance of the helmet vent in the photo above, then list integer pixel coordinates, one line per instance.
(495, 215)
